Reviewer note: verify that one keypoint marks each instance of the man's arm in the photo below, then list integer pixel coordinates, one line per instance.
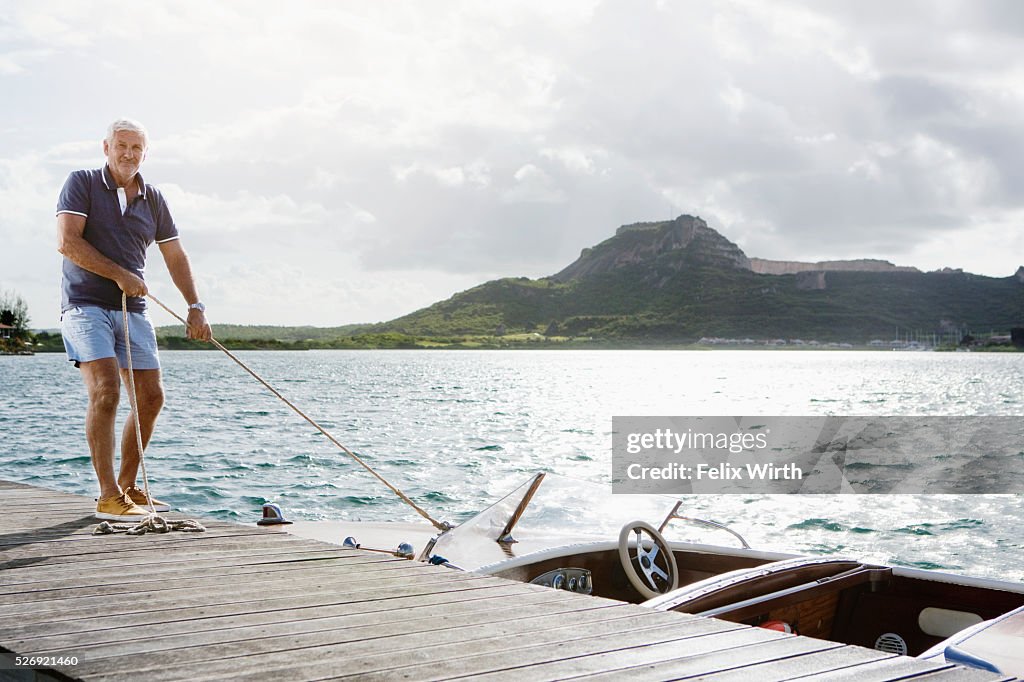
(74, 247)
(181, 274)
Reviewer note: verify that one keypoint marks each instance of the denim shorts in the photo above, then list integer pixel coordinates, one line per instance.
(93, 333)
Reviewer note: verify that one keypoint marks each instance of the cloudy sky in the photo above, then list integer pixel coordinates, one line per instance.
(338, 162)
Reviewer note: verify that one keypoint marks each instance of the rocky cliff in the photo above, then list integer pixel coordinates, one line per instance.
(689, 240)
(763, 266)
(673, 243)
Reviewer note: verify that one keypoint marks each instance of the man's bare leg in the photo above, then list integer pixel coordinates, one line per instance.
(104, 387)
(149, 391)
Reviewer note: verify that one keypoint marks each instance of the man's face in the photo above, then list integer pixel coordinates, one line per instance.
(125, 153)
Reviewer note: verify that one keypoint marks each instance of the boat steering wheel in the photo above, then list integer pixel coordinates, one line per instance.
(651, 571)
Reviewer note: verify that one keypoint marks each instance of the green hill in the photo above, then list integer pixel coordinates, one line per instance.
(678, 281)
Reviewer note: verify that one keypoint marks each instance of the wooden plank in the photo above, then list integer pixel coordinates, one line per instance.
(341, 568)
(478, 657)
(41, 516)
(31, 574)
(38, 524)
(54, 584)
(66, 541)
(234, 658)
(797, 666)
(10, 493)
(958, 674)
(357, 577)
(111, 545)
(695, 655)
(39, 577)
(53, 506)
(331, 592)
(354, 568)
(156, 550)
(43, 503)
(895, 668)
(672, 660)
(263, 637)
(92, 544)
(188, 617)
(24, 527)
(98, 544)
(35, 514)
(490, 603)
(145, 562)
(12, 488)
(134, 554)
(334, 654)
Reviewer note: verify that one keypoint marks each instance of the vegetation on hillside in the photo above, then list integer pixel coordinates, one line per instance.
(267, 333)
(646, 302)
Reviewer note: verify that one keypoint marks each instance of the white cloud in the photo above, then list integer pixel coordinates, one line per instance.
(533, 185)
(210, 212)
(17, 61)
(461, 139)
(574, 159)
(323, 179)
(475, 174)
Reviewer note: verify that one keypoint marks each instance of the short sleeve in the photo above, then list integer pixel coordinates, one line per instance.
(74, 196)
(166, 230)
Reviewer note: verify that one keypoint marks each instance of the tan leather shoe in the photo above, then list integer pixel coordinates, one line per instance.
(120, 508)
(138, 496)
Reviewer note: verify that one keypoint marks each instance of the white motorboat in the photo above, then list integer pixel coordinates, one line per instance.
(914, 612)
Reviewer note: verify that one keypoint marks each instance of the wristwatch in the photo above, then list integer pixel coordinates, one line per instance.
(197, 306)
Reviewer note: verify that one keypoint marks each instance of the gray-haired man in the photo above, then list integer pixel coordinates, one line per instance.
(106, 220)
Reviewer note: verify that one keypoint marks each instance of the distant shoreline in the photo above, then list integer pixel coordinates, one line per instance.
(174, 344)
(339, 338)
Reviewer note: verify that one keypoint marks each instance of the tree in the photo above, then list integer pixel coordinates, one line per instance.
(14, 312)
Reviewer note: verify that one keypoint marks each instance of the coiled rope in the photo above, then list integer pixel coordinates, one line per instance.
(437, 524)
(152, 524)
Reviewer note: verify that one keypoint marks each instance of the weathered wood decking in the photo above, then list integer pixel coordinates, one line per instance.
(242, 602)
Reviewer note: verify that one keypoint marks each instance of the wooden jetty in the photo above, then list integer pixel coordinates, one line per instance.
(244, 602)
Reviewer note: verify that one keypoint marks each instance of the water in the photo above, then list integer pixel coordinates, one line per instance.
(458, 429)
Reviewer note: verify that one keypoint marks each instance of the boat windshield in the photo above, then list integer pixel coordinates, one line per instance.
(559, 511)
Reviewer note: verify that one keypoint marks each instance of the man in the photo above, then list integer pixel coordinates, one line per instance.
(106, 220)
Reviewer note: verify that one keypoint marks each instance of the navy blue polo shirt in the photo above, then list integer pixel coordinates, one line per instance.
(121, 238)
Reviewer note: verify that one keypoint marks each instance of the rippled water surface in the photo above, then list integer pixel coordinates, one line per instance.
(457, 429)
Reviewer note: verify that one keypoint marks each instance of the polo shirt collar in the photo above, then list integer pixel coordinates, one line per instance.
(109, 183)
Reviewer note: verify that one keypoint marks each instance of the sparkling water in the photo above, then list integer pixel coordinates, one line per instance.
(455, 430)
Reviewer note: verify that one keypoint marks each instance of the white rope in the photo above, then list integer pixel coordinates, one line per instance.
(152, 523)
(133, 399)
(437, 524)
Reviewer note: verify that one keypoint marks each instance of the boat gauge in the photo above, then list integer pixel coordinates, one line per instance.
(570, 579)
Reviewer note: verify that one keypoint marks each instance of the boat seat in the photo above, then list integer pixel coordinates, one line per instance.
(993, 645)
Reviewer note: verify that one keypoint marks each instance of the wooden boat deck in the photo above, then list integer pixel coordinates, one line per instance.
(244, 602)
